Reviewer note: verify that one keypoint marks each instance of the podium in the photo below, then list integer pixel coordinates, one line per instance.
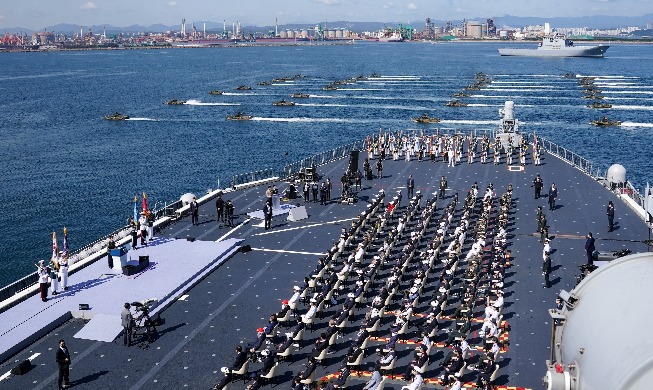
(276, 202)
(119, 257)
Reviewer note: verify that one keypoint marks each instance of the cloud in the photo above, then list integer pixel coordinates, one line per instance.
(88, 6)
(411, 6)
(172, 3)
(388, 5)
(327, 2)
(2, 17)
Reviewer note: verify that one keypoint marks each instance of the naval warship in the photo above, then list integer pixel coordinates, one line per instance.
(208, 285)
(556, 45)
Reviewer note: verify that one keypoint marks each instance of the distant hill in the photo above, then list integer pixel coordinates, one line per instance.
(602, 22)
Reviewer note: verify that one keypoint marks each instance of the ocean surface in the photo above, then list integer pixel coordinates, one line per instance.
(64, 165)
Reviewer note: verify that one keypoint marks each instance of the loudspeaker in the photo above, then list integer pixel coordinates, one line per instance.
(189, 238)
(245, 248)
(22, 367)
(353, 161)
(84, 306)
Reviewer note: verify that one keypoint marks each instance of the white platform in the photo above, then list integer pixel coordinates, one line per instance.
(175, 264)
(102, 327)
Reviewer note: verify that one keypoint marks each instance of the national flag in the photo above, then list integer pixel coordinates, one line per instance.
(145, 205)
(135, 210)
(55, 247)
(65, 243)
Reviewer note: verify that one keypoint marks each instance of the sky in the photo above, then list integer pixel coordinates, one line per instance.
(37, 14)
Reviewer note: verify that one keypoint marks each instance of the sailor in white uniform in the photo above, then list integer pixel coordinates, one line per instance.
(54, 281)
(142, 222)
(43, 280)
(63, 270)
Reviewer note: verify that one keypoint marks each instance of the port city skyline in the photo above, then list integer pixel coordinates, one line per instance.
(257, 13)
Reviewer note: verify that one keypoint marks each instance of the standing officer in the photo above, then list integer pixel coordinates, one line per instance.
(443, 186)
(306, 190)
(63, 359)
(323, 194)
(63, 270)
(379, 168)
(110, 246)
(219, 208)
(538, 183)
(410, 184)
(314, 190)
(589, 248)
(553, 194)
(539, 219)
(194, 211)
(546, 269)
(267, 213)
(329, 186)
(127, 324)
(610, 216)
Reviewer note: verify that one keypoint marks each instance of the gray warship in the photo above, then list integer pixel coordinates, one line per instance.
(556, 45)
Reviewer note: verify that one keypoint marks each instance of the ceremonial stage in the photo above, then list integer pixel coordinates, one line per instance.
(175, 266)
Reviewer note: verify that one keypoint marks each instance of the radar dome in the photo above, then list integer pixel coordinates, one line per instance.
(187, 198)
(601, 343)
(617, 174)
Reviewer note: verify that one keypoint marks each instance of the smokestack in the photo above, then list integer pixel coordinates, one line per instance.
(204, 29)
(276, 28)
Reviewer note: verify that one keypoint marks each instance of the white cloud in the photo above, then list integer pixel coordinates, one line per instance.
(389, 4)
(327, 2)
(172, 3)
(2, 17)
(412, 6)
(88, 6)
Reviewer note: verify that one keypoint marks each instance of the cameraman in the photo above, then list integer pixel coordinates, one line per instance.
(127, 324)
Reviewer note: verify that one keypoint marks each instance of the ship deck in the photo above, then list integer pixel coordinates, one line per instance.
(205, 324)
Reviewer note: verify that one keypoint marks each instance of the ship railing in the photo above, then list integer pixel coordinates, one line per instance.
(597, 172)
(254, 176)
(292, 169)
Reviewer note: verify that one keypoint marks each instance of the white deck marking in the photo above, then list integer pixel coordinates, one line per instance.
(233, 230)
(304, 227)
(183, 297)
(282, 251)
(8, 373)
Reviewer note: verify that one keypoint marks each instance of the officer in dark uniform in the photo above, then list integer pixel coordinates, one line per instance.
(410, 184)
(219, 208)
(194, 211)
(443, 187)
(538, 184)
(314, 189)
(323, 194)
(267, 214)
(610, 213)
(546, 270)
(379, 168)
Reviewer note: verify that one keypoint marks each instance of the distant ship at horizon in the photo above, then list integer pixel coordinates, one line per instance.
(556, 45)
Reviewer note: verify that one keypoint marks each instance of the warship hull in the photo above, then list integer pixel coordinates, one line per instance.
(577, 51)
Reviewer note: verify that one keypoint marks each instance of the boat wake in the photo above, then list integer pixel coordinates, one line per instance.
(634, 124)
(142, 119)
(200, 103)
(362, 89)
(323, 120)
(619, 107)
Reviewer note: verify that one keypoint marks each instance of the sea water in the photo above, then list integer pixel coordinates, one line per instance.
(62, 164)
